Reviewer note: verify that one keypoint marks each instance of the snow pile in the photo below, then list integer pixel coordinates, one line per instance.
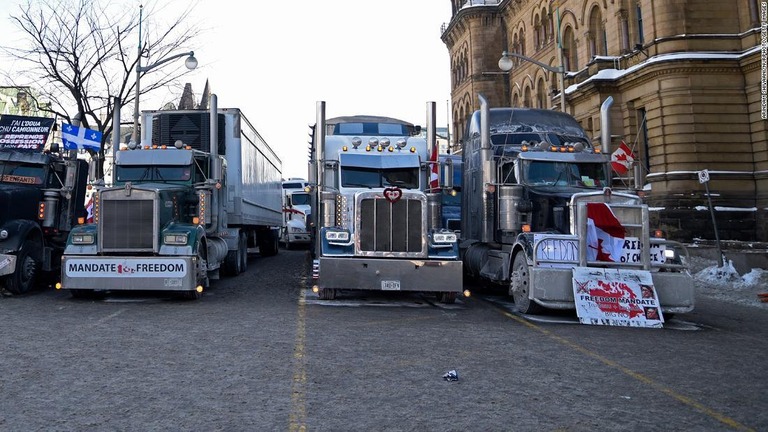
(725, 283)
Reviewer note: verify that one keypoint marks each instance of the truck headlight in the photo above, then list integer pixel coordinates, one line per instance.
(175, 239)
(442, 238)
(81, 239)
(3, 234)
(337, 236)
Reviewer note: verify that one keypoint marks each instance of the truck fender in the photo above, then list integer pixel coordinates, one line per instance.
(19, 231)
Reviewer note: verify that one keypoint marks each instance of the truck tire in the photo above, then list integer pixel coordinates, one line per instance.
(232, 263)
(244, 251)
(268, 243)
(519, 286)
(23, 279)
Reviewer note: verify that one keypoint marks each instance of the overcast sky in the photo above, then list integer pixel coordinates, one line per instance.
(275, 60)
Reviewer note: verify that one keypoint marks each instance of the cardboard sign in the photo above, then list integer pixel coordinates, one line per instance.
(616, 297)
(563, 247)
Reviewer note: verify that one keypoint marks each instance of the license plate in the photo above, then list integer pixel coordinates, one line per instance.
(390, 285)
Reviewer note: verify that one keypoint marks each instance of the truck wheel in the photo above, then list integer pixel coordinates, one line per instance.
(446, 297)
(327, 294)
(519, 286)
(232, 263)
(268, 243)
(23, 279)
(244, 251)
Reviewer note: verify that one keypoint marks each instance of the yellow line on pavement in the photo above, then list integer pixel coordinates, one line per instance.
(722, 418)
(298, 416)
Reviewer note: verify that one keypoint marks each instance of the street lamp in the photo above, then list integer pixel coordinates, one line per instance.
(190, 63)
(506, 64)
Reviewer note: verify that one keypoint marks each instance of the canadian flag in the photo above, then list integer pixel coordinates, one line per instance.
(605, 234)
(434, 177)
(622, 158)
(89, 209)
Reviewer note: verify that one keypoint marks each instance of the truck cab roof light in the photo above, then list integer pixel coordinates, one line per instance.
(379, 148)
(344, 148)
(368, 148)
(553, 148)
(391, 149)
(526, 228)
(524, 147)
(413, 149)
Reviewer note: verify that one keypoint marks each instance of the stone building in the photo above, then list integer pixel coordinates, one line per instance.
(685, 76)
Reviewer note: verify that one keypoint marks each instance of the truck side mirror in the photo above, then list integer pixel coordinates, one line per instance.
(446, 169)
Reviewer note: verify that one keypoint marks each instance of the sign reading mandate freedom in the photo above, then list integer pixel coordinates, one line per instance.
(616, 297)
(130, 267)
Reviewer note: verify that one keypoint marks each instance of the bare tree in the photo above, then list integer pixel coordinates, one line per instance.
(77, 54)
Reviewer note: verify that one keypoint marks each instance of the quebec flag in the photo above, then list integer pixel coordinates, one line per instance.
(75, 138)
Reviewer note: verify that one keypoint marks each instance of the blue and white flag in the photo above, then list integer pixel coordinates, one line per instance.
(80, 138)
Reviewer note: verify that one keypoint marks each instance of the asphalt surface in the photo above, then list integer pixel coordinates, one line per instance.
(260, 351)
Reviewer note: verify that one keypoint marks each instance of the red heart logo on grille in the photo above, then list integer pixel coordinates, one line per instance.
(392, 194)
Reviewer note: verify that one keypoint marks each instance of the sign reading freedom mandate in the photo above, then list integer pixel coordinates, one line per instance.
(616, 297)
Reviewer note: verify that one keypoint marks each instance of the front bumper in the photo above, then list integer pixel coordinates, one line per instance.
(553, 288)
(129, 273)
(390, 274)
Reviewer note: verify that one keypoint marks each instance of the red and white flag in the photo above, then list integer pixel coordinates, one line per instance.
(89, 209)
(622, 158)
(605, 234)
(434, 176)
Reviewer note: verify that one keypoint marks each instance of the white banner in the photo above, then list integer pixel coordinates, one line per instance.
(127, 268)
(563, 247)
(616, 297)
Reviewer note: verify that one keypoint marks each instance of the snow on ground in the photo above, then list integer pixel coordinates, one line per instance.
(725, 283)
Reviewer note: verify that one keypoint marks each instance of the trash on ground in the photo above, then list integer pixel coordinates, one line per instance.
(452, 375)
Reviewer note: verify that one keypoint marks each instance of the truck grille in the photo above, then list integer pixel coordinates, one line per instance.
(127, 224)
(391, 227)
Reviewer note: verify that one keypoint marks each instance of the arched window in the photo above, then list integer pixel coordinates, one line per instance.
(537, 40)
(597, 42)
(515, 100)
(570, 56)
(541, 94)
(527, 97)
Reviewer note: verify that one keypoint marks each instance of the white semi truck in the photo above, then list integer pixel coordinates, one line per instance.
(297, 209)
(378, 224)
(187, 203)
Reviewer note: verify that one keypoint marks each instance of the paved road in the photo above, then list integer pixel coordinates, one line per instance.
(261, 352)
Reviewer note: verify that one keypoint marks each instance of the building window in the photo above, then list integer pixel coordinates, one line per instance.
(642, 138)
(598, 45)
(640, 36)
(570, 56)
(541, 94)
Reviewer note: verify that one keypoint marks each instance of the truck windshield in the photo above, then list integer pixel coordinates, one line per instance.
(372, 129)
(153, 173)
(31, 174)
(590, 175)
(406, 178)
(300, 199)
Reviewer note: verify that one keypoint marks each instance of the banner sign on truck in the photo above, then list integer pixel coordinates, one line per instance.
(24, 133)
(127, 268)
(554, 248)
(616, 297)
